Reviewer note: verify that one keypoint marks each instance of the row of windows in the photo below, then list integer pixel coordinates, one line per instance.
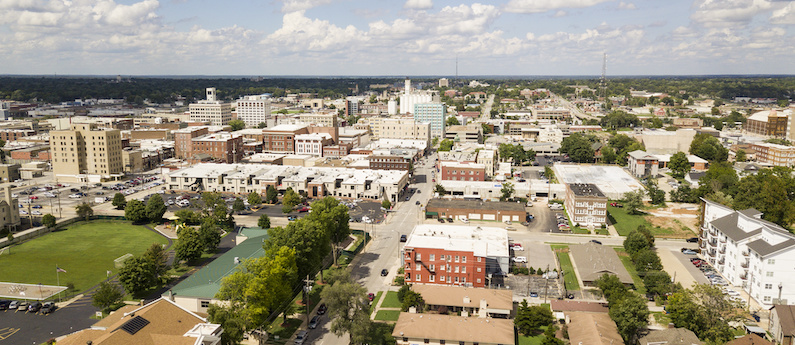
(432, 278)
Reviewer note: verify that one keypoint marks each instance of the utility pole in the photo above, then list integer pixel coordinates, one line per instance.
(307, 288)
(546, 283)
(60, 214)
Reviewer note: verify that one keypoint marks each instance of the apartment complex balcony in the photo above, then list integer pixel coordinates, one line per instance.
(744, 276)
(723, 240)
(713, 243)
(744, 264)
(722, 250)
(711, 253)
(703, 245)
(746, 253)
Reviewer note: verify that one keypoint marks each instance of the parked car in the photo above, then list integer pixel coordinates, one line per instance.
(441, 220)
(313, 322)
(37, 206)
(321, 309)
(36, 213)
(688, 251)
(74, 190)
(48, 307)
(417, 202)
(23, 306)
(519, 259)
(371, 296)
(595, 241)
(4, 304)
(384, 272)
(533, 294)
(403, 238)
(13, 305)
(615, 204)
(449, 220)
(692, 240)
(292, 217)
(34, 307)
(300, 338)
(33, 197)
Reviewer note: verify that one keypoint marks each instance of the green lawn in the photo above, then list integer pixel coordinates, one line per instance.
(391, 300)
(534, 340)
(283, 331)
(569, 278)
(375, 301)
(661, 318)
(625, 222)
(627, 261)
(387, 315)
(85, 250)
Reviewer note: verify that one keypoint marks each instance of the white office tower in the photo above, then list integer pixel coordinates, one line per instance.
(391, 107)
(210, 110)
(433, 113)
(409, 99)
(211, 94)
(254, 110)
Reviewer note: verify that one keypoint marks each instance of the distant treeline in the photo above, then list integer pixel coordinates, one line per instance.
(166, 90)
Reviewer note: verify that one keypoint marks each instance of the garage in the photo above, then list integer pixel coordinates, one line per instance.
(489, 217)
(474, 216)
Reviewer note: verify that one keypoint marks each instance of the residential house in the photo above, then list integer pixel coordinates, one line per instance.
(435, 329)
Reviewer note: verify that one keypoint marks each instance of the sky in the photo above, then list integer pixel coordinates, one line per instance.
(396, 37)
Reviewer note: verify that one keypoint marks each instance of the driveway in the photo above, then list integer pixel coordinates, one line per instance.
(678, 265)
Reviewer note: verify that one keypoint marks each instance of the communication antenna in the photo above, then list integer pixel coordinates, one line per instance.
(603, 80)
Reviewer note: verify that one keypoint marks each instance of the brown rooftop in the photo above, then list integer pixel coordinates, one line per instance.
(454, 328)
(566, 306)
(455, 296)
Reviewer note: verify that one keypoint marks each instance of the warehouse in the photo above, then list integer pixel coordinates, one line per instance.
(475, 210)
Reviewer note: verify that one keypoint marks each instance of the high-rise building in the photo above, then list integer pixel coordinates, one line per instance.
(408, 99)
(444, 82)
(86, 153)
(210, 110)
(254, 110)
(434, 113)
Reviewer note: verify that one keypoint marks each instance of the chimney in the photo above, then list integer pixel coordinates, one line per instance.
(671, 325)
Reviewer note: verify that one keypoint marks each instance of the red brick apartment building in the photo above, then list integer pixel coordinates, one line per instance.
(223, 147)
(455, 255)
(281, 138)
(183, 140)
(455, 171)
(379, 162)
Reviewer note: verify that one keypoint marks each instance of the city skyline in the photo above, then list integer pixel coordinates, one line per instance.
(412, 37)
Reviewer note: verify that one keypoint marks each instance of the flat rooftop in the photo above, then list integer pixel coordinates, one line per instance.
(613, 181)
(586, 189)
(482, 241)
(476, 204)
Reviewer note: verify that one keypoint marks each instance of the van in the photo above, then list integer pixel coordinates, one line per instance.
(99, 200)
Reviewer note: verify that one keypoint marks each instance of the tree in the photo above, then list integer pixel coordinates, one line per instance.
(578, 147)
(158, 258)
(135, 211)
(769, 193)
(386, 204)
(290, 199)
(84, 211)
(119, 201)
(262, 125)
(706, 311)
(155, 208)
(106, 295)
(264, 221)
(679, 165)
(608, 155)
(708, 147)
(209, 235)
(611, 287)
(238, 205)
(452, 121)
(136, 275)
(48, 220)
(684, 194)
(332, 215)
(741, 156)
(271, 195)
(231, 319)
(308, 237)
(507, 191)
(259, 286)
(633, 201)
(188, 246)
(656, 194)
(188, 217)
(254, 198)
(413, 299)
(720, 177)
(530, 318)
(439, 189)
(635, 242)
(486, 128)
(446, 145)
(657, 282)
(631, 314)
(549, 337)
(348, 309)
(646, 260)
(237, 125)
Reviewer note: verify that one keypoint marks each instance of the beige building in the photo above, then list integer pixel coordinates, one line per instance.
(774, 154)
(586, 205)
(319, 119)
(86, 153)
(489, 159)
(214, 112)
(9, 213)
(399, 128)
(9, 172)
(133, 160)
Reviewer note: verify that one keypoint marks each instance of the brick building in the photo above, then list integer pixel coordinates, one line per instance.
(774, 154)
(455, 255)
(455, 171)
(222, 147)
(312, 144)
(586, 204)
(475, 210)
(14, 134)
(768, 123)
(281, 138)
(382, 162)
(183, 138)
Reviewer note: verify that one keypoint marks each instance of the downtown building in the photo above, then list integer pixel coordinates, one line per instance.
(749, 252)
(455, 255)
(210, 110)
(86, 153)
(254, 110)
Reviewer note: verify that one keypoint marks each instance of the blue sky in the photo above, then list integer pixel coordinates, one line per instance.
(396, 37)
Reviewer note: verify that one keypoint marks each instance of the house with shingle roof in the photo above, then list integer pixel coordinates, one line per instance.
(750, 252)
(435, 329)
(782, 324)
(593, 260)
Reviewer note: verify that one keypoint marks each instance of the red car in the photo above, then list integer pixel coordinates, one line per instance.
(33, 197)
(303, 209)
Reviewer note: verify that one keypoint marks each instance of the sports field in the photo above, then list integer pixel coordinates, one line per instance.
(84, 250)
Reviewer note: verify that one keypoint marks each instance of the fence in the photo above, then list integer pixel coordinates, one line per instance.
(41, 230)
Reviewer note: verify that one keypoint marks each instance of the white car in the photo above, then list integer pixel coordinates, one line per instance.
(518, 247)
(75, 196)
(519, 259)
(36, 213)
(23, 212)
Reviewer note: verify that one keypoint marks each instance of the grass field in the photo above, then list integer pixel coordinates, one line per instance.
(387, 315)
(375, 301)
(85, 250)
(627, 261)
(391, 300)
(569, 278)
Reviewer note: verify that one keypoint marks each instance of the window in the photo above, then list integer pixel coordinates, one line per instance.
(769, 274)
(463, 269)
(768, 286)
(418, 278)
(441, 279)
(441, 342)
(478, 280)
(771, 261)
(431, 257)
(464, 259)
(205, 304)
(478, 269)
(456, 258)
(766, 299)
(417, 267)
(427, 341)
(419, 257)
(432, 278)
(432, 268)
(479, 259)
(449, 258)
(456, 269)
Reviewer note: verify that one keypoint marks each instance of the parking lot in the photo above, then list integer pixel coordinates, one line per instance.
(20, 327)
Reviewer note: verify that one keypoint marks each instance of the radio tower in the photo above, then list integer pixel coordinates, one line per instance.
(603, 80)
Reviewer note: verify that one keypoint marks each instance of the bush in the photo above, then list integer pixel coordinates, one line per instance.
(521, 270)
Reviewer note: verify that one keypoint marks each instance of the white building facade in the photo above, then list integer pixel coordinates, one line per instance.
(311, 144)
(254, 110)
(751, 253)
(215, 112)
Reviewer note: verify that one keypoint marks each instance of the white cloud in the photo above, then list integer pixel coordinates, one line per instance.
(539, 6)
(784, 15)
(418, 4)
(299, 33)
(302, 5)
(560, 13)
(626, 6)
(723, 13)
